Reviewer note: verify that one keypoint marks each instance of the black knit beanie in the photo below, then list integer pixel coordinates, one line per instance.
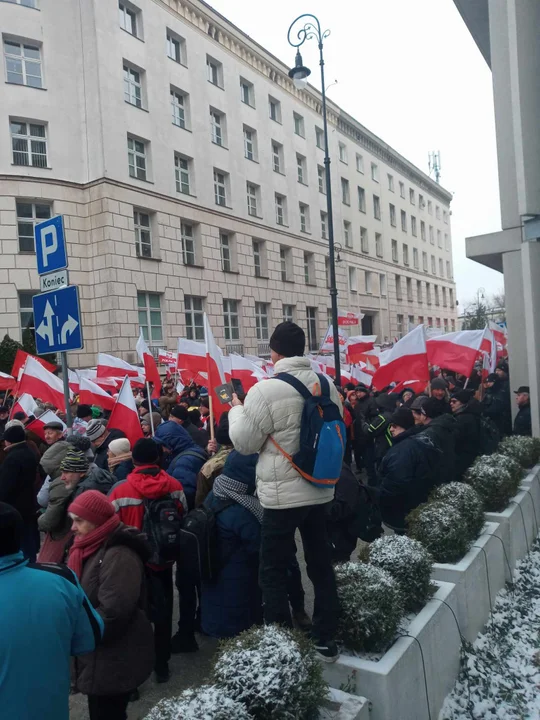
(145, 452)
(403, 418)
(15, 434)
(288, 340)
(11, 528)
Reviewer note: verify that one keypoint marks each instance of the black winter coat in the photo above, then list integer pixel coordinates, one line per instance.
(522, 422)
(468, 438)
(496, 407)
(100, 457)
(200, 436)
(18, 478)
(364, 411)
(408, 473)
(443, 431)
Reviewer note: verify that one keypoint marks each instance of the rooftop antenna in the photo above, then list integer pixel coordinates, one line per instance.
(434, 162)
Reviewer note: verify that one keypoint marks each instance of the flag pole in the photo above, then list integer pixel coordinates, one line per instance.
(150, 406)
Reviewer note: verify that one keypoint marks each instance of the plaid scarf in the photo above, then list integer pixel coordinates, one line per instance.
(226, 487)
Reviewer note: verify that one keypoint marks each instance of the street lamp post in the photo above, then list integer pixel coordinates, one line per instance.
(299, 75)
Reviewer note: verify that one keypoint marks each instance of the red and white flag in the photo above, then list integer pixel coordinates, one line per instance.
(244, 370)
(20, 359)
(166, 357)
(192, 361)
(416, 386)
(456, 351)
(347, 318)
(38, 424)
(214, 368)
(92, 394)
(498, 332)
(40, 383)
(358, 345)
(7, 382)
(124, 415)
(150, 368)
(407, 360)
(361, 376)
(26, 404)
(110, 366)
(328, 342)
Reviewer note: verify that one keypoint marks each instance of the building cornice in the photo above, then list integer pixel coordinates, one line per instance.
(211, 23)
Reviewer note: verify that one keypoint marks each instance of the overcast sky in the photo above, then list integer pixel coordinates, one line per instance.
(410, 72)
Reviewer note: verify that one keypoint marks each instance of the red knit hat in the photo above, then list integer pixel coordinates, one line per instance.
(92, 506)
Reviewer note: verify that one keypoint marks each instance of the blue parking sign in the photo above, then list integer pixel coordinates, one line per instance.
(50, 239)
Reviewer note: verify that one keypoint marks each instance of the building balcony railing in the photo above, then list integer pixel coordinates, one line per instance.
(263, 350)
(237, 348)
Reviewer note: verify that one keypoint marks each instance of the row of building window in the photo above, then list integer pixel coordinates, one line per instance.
(440, 324)
(447, 293)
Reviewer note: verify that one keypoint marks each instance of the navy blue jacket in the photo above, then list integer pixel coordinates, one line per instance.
(408, 472)
(233, 603)
(186, 457)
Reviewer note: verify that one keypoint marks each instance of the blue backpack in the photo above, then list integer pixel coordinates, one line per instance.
(322, 435)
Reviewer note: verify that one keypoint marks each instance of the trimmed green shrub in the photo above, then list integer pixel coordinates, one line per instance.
(525, 450)
(207, 701)
(441, 529)
(496, 478)
(371, 607)
(409, 563)
(273, 672)
(466, 501)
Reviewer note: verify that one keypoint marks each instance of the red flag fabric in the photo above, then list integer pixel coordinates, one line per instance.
(150, 368)
(7, 382)
(110, 366)
(244, 370)
(498, 332)
(26, 404)
(214, 369)
(124, 415)
(359, 345)
(90, 393)
(38, 424)
(417, 386)
(407, 360)
(456, 351)
(20, 359)
(192, 361)
(40, 383)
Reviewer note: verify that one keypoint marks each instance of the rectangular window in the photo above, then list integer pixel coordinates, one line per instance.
(150, 322)
(423, 230)
(311, 318)
(26, 310)
(446, 242)
(214, 70)
(285, 263)
(188, 243)
(319, 138)
(453, 325)
(390, 182)
(364, 240)
(392, 214)
(437, 212)
(367, 277)
(436, 291)
(226, 252)
(277, 157)
(413, 226)
(301, 169)
(304, 217)
(321, 175)
(249, 143)
(408, 283)
(176, 47)
(400, 326)
(374, 172)
(274, 109)
(428, 294)
(309, 268)
(401, 189)
(28, 214)
(29, 143)
(412, 198)
(416, 261)
(448, 270)
(220, 189)
(376, 207)
(288, 313)
(359, 163)
(324, 225)
(378, 245)
(179, 107)
(230, 320)
(430, 207)
(433, 265)
(419, 298)
(445, 217)
(444, 297)
(281, 209)
(404, 221)
(261, 320)
(247, 93)
(424, 262)
(451, 297)
(439, 239)
(399, 296)
(194, 313)
(342, 152)
(216, 127)
(143, 234)
(411, 322)
(23, 63)
(327, 273)
(353, 286)
(361, 199)
(347, 234)
(137, 158)
(182, 174)
(441, 267)
(382, 284)
(298, 125)
(405, 254)
(445, 324)
(252, 199)
(394, 251)
(129, 19)
(345, 192)
(257, 257)
(132, 86)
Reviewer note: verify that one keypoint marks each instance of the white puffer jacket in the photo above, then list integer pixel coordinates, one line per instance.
(272, 407)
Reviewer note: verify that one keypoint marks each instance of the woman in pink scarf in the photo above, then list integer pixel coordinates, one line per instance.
(108, 558)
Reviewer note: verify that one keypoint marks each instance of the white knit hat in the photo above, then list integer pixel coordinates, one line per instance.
(120, 446)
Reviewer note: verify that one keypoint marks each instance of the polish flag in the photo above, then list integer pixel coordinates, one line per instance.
(25, 404)
(166, 357)
(150, 368)
(7, 382)
(347, 319)
(36, 426)
(405, 361)
(74, 381)
(499, 333)
(328, 342)
(244, 370)
(40, 383)
(192, 361)
(20, 359)
(110, 366)
(361, 376)
(214, 369)
(358, 345)
(92, 394)
(456, 351)
(416, 386)
(124, 415)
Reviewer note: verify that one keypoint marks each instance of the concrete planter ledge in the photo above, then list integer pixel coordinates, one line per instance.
(531, 481)
(478, 577)
(395, 685)
(343, 706)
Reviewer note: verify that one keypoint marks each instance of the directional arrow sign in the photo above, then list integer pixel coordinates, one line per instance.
(57, 321)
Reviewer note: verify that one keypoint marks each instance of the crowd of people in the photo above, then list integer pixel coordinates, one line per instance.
(213, 508)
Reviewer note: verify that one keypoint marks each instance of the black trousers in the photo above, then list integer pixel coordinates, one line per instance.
(278, 550)
(188, 599)
(108, 707)
(160, 587)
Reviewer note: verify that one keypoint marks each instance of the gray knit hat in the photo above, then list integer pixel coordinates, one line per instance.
(74, 461)
(95, 430)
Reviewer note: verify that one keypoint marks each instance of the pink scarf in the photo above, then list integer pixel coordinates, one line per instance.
(86, 545)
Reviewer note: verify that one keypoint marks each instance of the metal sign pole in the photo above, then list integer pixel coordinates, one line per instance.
(65, 378)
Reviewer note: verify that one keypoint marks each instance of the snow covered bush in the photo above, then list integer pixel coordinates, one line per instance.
(466, 501)
(441, 529)
(496, 478)
(409, 563)
(273, 672)
(200, 703)
(371, 607)
(526, 450)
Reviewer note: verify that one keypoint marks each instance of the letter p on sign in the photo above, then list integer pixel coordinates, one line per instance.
(49, 243)
(51, 254)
